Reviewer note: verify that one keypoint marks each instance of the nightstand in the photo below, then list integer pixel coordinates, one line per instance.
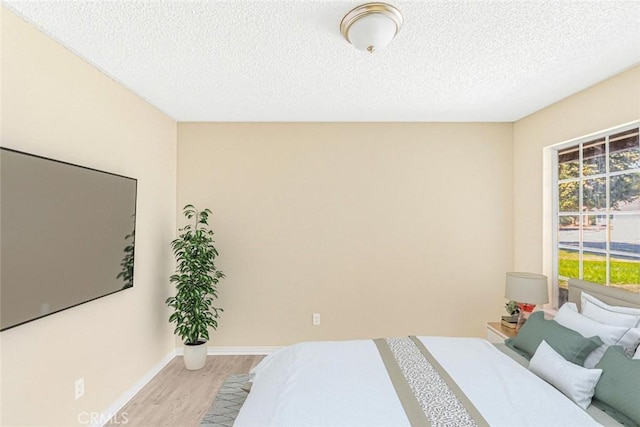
(496, 333)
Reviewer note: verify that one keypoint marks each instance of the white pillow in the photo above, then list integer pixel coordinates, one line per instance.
(629, 338)
(571, 305)
(576, 382)
(637, 356)
(612, 315)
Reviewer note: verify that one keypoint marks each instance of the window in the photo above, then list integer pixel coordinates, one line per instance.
(597, 210)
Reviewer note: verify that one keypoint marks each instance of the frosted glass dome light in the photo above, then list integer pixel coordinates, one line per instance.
(371, 26)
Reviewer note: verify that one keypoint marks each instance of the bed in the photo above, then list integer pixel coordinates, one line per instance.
(438, 381)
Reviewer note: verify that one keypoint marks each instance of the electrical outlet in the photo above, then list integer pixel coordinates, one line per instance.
(79, 388)
(316, 319)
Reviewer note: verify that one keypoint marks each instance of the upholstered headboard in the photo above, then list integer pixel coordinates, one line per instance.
(607, 294)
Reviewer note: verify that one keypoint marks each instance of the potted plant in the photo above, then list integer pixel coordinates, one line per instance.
(196, 279)
(513, 310)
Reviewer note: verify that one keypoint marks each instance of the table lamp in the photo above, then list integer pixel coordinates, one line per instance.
(527, 290)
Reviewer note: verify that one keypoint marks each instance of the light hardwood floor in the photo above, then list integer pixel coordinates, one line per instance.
(177, 397)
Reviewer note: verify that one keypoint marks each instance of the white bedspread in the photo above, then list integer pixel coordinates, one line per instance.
(332, 384)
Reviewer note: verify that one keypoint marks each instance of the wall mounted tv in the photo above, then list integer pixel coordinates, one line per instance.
(66, 235)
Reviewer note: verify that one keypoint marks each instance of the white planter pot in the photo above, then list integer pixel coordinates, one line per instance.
(195, 356)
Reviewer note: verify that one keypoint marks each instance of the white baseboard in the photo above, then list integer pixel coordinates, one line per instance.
(128, 395)
(233, 351)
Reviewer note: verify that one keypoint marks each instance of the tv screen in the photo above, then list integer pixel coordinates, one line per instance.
(66, 235)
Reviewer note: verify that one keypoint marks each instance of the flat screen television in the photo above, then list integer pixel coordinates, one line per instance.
(66, 235)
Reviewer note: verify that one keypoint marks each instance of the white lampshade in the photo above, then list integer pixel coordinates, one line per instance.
(529, 288)
(372, 26)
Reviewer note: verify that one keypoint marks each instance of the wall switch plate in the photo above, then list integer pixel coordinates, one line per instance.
(316, 319)
(79, 388)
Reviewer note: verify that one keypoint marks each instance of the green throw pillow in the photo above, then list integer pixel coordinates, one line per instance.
(619, 385)
(568, 343)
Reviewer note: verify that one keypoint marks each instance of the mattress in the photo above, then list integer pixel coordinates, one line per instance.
(346, 383)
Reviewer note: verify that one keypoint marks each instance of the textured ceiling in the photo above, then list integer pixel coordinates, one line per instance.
(286, 60)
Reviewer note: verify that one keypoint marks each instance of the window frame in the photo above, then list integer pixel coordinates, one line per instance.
(555, 202)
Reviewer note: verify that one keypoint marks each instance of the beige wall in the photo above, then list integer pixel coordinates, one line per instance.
(56, 105)
(384, 229)
(613, 102)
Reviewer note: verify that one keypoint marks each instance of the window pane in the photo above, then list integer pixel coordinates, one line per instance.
(625, 233)
(594, 232)
(625, 192)
(625, 273)
(598, 212)
(568, 263)
(569, 230)
(568, 196)
(569, 163)
(594, 158)
(624, 151)
(594, 194)
(594, 267)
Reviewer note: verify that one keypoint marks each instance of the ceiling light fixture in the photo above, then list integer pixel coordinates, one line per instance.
(371, 26)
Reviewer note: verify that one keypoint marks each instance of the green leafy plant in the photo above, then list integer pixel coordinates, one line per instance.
(196, 279)
(127, 263)
(512, 308)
